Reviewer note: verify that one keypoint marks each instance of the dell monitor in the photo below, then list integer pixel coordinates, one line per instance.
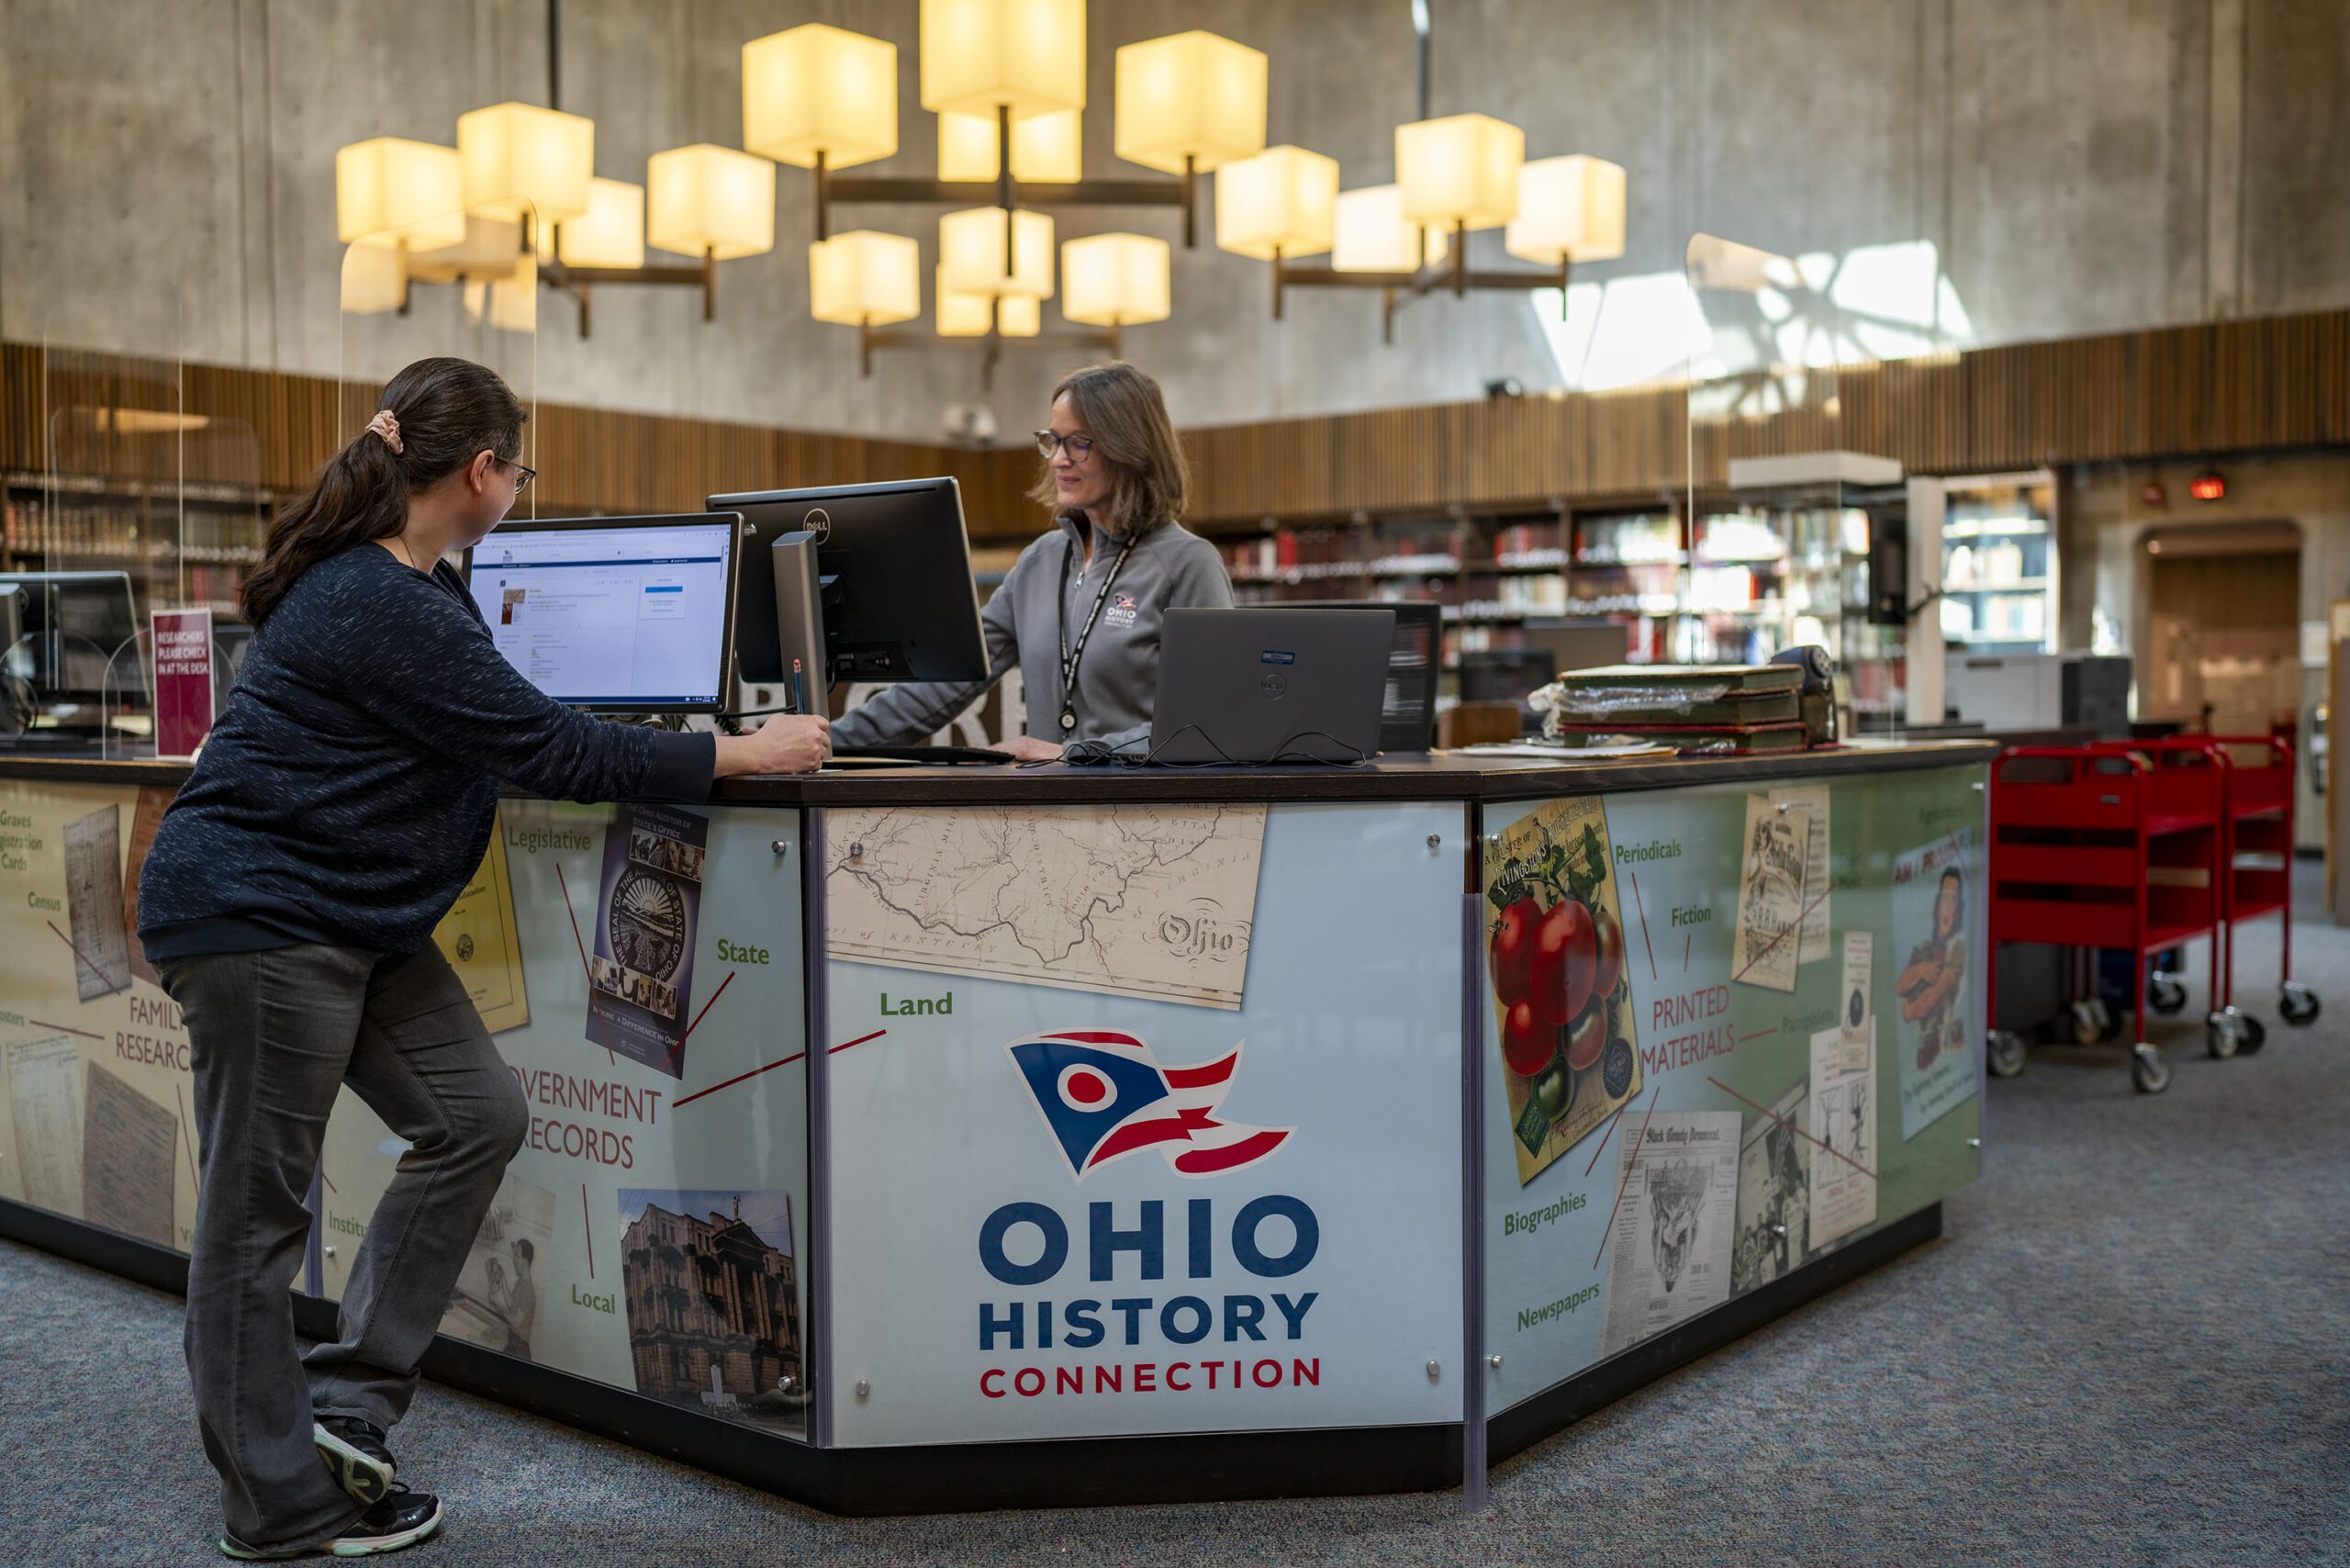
(892, 573)
(619, 614)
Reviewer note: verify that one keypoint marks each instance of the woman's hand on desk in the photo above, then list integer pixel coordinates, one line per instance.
(793, 742)
(1028, 748)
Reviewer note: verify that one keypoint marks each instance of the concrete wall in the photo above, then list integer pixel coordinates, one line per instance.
(166, 176)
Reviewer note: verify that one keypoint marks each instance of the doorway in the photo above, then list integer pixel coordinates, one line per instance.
(2223, 628)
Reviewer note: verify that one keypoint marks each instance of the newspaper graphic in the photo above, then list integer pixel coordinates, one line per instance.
(1844, 1164)
(45, 1092)
(1817, 942)
(1773, 1192)
(1934, 1045)
(647, 908)
(129, 1142)
(1152, 902)
(1767, 945)
(93, 903)
(1856, 1015)
(497, 1300)
(1671, 1233)
(478, 939)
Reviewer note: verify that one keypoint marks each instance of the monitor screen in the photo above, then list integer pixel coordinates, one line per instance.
(68, 636)
(625, 614)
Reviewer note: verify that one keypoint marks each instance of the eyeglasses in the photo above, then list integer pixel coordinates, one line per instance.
(522, 476)
(1078, 447)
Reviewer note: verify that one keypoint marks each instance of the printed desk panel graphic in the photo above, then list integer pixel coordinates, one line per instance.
(1782, 1099)
(96, 1104)
(1082, 1213)
(649, 1234)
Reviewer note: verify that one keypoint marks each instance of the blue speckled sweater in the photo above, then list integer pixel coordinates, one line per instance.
(351, 785)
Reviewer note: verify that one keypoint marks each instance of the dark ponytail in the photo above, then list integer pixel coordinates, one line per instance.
(448, 409)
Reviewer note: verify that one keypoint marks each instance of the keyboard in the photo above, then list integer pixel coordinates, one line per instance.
(931, 755)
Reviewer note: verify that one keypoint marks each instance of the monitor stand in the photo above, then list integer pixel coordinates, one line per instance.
(799, 622)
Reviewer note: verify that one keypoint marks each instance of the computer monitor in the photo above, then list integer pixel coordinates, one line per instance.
(1414, 661)
(60, 633)
(620, 614)
(893, 568)
(1504, 674)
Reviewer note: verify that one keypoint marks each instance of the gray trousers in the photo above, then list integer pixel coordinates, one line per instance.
(273, 1034)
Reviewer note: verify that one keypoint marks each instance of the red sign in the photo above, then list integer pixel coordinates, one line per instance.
(182, 680)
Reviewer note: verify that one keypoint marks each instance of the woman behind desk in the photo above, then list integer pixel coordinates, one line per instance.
(1078, 612)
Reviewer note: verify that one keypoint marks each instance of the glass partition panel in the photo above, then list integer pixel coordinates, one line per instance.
(1766, 1055)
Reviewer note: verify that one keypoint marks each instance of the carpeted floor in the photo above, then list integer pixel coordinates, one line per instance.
(2134, 1345)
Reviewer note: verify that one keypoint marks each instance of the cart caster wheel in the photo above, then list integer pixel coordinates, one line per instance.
(2255, 1034)
(2081, 1023)
(2149, 1074)
(2166, 995)
(2005, 1057)
(2224, 1032)
(2298, 1003)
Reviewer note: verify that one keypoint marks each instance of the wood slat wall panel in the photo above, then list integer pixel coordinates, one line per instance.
(2216, 387)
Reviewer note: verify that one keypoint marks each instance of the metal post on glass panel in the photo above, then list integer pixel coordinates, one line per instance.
(817, 1021)
(1474, 1370)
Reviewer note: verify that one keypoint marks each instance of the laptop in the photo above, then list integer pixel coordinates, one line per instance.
(1270, 685)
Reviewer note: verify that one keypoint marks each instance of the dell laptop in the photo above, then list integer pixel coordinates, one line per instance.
(1270, 685)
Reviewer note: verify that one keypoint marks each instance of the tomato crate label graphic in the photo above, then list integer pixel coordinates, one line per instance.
(1562, 1003)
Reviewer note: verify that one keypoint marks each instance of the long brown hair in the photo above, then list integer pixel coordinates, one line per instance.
(448, 409)
(1120, 407)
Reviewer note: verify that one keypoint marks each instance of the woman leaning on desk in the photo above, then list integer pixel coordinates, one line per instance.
(337, 809)
(1078, 612)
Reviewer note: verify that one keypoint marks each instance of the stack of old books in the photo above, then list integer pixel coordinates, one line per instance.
(1706, 709)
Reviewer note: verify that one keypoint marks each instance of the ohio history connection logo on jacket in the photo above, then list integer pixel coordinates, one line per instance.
(1102, 1096)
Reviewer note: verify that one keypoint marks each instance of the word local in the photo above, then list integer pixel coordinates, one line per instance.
(1081, 1322)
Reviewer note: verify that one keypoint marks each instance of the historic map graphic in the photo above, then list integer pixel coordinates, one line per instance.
(1153, 901)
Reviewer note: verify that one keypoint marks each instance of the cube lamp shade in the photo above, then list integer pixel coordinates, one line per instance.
(865, 278)
(387, 191)
(971, 253)
(374, 279)
(1460, 170)
(1283, 200)
(610, 233)
(511, 305)
(970, 315)
(492, 248)
(710, 199)
(1115, 280)
(1568, 209)
(1018, 316)
(521, 160)
(1372, 235)
(979, 55)
(963, 315)
(1046, 149)
(817, 89)
(1193, 95)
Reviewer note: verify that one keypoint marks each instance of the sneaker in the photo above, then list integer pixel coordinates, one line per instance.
(353, 1452)
(402, 1518)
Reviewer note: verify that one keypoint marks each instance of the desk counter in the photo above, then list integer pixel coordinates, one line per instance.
(1107, 1134)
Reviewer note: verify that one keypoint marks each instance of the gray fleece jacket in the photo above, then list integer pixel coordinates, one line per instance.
(1117, 681)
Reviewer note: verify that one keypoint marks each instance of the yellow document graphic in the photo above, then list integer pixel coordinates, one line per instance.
(478, 939)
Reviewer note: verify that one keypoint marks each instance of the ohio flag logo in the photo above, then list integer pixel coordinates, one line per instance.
(1104, 1096)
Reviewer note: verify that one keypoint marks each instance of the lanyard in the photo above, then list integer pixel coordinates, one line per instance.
(1071, 656)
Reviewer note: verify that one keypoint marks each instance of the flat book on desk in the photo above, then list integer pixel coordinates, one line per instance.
(1735, 696)
(1742, 739)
